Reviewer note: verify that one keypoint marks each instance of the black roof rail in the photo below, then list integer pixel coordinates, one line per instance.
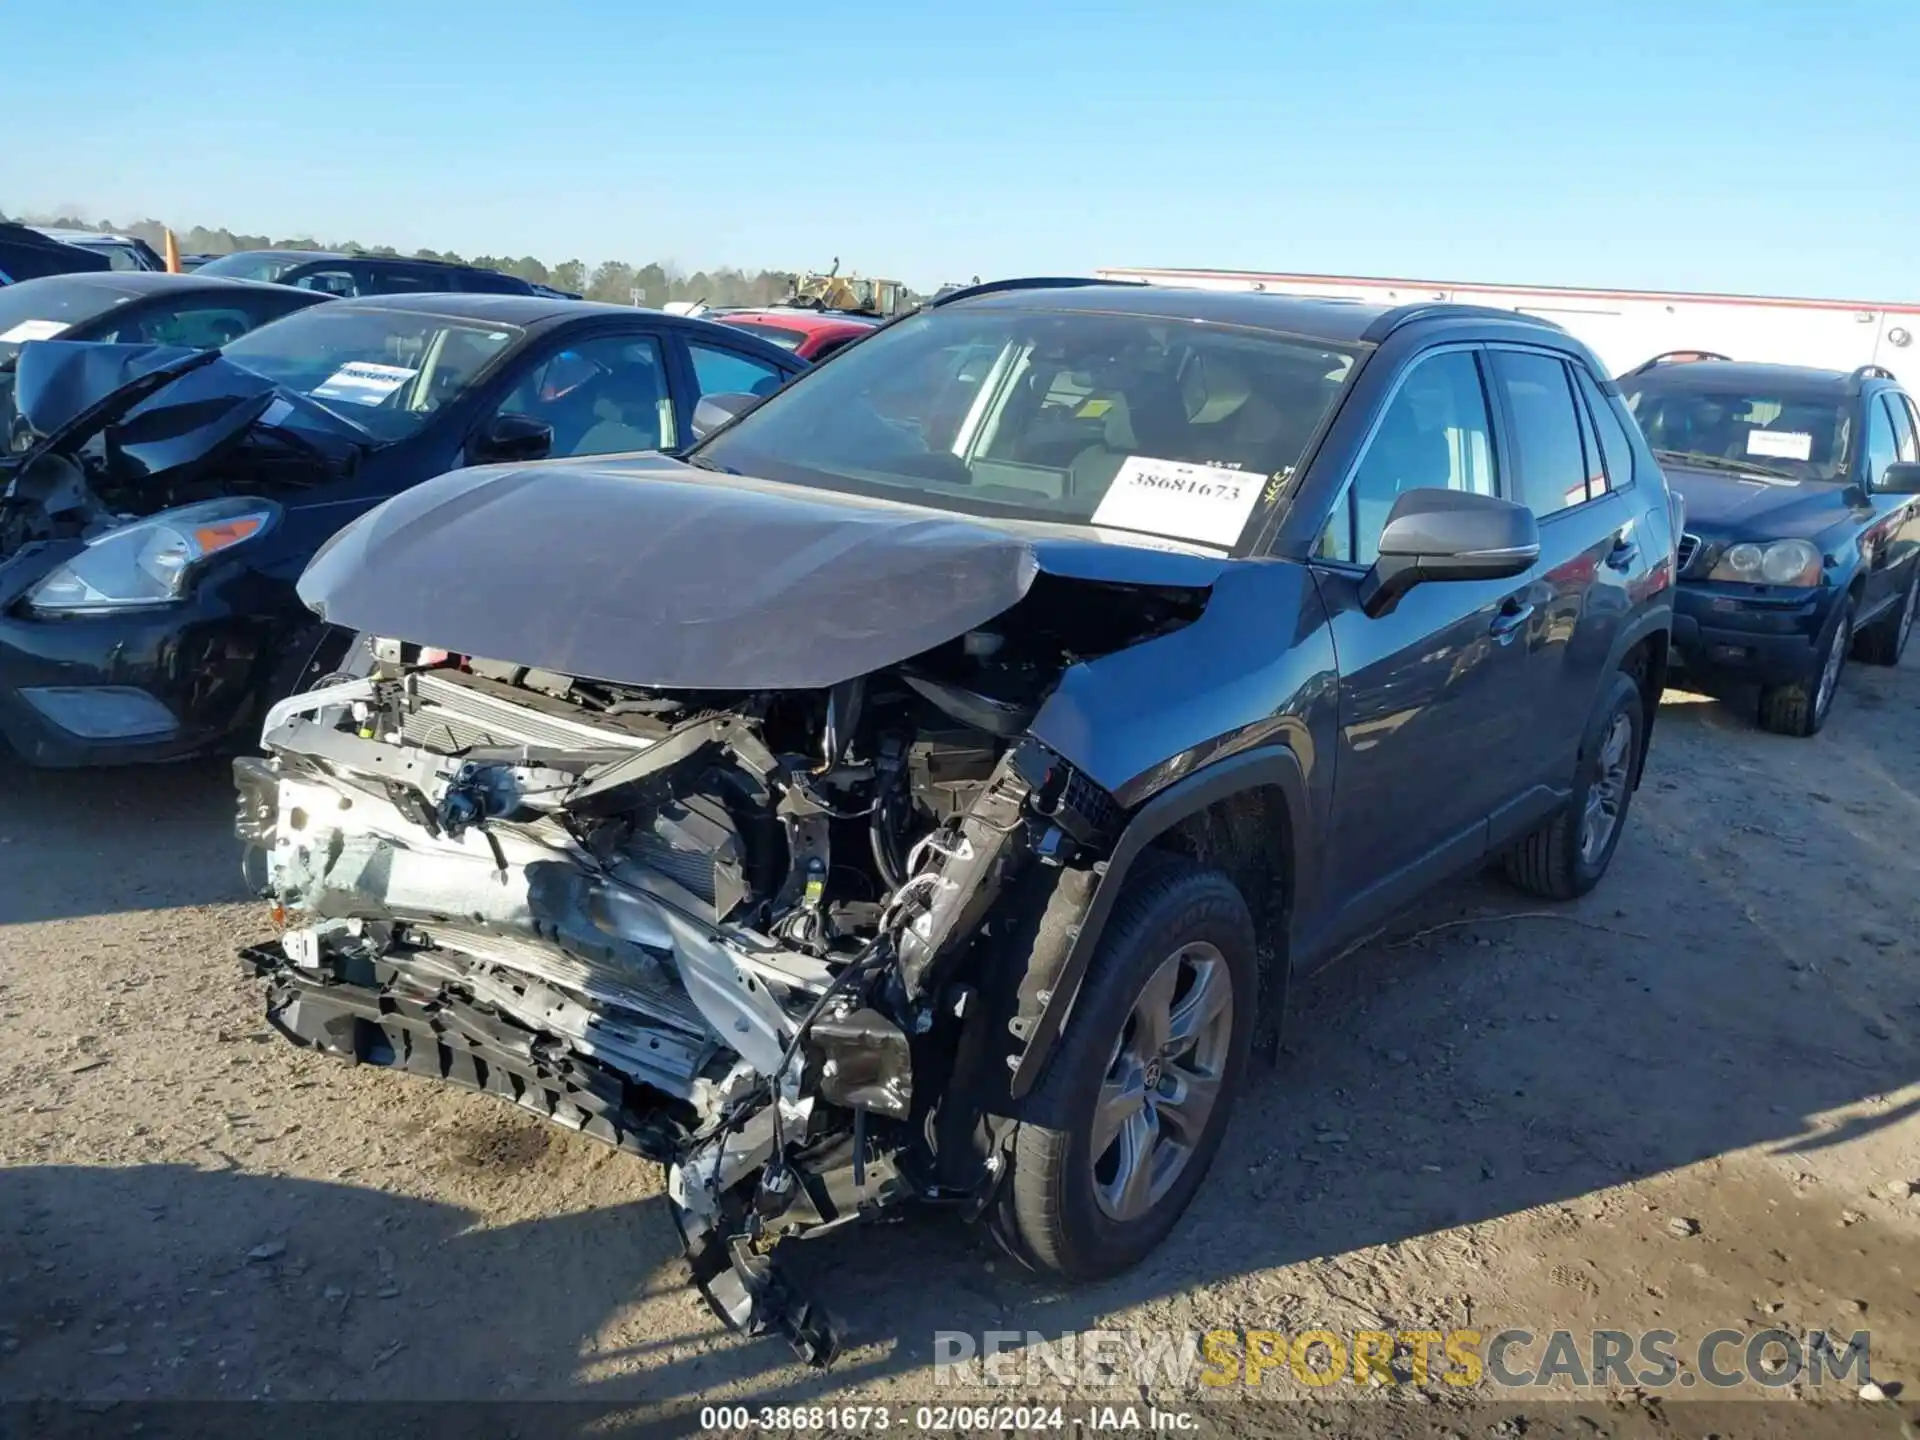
(1868, 372)
(1385, 324)
(1676, 357)
(1031, 282)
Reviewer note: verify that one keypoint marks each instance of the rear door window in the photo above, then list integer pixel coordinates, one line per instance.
(1903, 436)
(1545, 427)
(336, 280)
(728, 372)
(1616, 449)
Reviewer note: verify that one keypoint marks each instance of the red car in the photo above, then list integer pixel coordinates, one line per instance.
(811, 334)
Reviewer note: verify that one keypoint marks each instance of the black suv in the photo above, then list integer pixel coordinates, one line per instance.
(1802, 526)
(966, 745)
(349, 275)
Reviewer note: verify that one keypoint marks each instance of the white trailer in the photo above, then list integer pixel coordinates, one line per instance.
(1628, 327)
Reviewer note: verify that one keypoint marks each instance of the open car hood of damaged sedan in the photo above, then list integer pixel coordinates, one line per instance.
(66, 392)
(652, 573)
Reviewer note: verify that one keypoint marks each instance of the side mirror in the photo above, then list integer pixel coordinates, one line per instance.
(1448, 535)
(512, 437)
(713, 411)
(1900, 478)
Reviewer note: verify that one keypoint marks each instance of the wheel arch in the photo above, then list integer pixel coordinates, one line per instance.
(1242, 815)
(1642, 653)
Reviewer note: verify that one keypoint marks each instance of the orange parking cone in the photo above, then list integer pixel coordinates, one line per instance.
(173, 254)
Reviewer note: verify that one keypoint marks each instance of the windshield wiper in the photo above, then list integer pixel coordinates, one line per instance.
(701, 462)
(1702, 461)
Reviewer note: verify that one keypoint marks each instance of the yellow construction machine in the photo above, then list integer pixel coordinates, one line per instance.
(834, 291)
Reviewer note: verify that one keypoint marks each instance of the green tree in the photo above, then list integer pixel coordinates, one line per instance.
(612, 283)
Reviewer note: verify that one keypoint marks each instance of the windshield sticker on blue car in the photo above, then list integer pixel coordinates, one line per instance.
(1208, 503)
(33, 330)
(363, 383)
(1780, 444)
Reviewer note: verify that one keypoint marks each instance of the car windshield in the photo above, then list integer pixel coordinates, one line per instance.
(383, 371)
(1129, 422)
(253, 265)
(46, 309)
(1792, 434)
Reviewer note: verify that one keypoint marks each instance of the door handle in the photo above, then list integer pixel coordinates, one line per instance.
(1514, 613)
(1624, 555)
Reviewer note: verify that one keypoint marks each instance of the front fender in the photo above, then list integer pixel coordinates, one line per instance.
(1053, 991)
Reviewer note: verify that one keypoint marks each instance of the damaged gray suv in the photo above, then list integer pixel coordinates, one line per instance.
(928, 789)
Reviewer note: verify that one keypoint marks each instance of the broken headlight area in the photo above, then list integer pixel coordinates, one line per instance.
(783, 942)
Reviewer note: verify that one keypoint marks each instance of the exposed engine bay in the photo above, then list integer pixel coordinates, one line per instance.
(107, 433)
(787, 943)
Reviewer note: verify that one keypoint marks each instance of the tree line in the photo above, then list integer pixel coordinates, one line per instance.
(613, 281)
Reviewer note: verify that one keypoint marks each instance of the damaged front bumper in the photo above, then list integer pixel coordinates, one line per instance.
(519, 902)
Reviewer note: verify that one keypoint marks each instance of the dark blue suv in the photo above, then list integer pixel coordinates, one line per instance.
(1802, 523)
(965, 744)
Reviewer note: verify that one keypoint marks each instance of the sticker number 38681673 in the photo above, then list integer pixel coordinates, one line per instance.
(1181, 500)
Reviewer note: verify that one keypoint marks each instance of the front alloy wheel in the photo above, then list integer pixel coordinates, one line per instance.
(1118, 1134)
(1169, 1062)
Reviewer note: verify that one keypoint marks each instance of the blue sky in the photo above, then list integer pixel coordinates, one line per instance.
(1693, 144)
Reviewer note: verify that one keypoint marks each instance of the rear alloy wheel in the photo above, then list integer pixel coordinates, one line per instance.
(1801, 707)
(1118, 1134)
(1568, 854)
(1885, 640)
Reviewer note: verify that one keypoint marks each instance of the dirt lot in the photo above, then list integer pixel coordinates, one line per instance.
(1498, 1123)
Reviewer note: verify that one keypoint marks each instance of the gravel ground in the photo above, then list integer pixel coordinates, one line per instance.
(1685, 1102)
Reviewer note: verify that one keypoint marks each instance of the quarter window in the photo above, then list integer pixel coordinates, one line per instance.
(1546, 430)
(1433, 436)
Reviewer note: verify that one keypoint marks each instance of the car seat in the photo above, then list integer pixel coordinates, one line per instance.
(624, 411)
(1147, 417)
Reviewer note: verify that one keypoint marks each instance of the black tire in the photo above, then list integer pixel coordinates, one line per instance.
(1800, 707)
(1553, 861)
(1049, 1215)
(1885, 640)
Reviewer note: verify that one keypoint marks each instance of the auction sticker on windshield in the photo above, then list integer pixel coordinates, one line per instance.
(363, 383)
(1780, 444)
(1208, 503)
(33, 330)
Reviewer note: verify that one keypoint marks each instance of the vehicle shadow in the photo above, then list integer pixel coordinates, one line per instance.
(98, 842)
(1740, 983)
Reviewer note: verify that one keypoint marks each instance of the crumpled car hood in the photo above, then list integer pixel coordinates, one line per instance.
(173, 406)
(652, 573)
